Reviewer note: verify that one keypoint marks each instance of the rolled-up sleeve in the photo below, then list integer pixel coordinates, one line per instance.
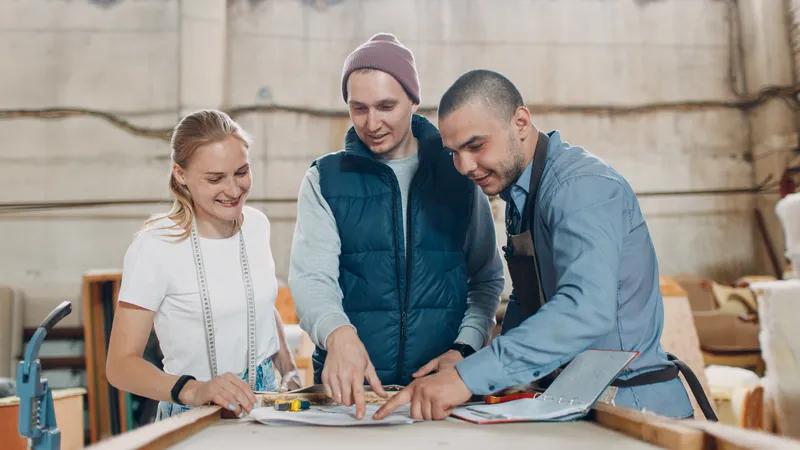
(585, 216)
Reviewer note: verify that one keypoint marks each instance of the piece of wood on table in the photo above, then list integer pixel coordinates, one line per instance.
(649, 427)
(726, 437)
(687, 434)
(164, 433)
(316, 395)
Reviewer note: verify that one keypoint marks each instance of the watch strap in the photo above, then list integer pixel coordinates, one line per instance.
(178, 387)
(462, 348)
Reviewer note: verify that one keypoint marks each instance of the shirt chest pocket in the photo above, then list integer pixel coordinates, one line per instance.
(183, 294)
(184, 282)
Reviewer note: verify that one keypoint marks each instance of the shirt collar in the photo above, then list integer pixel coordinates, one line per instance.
(523, 182)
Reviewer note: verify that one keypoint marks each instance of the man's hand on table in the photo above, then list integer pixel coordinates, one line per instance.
(432, 398)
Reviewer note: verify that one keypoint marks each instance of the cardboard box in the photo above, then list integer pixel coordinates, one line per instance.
(719, 332)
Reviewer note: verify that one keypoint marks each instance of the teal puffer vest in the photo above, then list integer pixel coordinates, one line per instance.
(407, 309)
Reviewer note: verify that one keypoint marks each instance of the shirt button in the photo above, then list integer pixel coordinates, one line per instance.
(536, 374)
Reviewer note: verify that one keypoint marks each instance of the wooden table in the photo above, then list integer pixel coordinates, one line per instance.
(607, 427)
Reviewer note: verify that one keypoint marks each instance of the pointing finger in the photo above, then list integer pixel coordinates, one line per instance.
(401, 398)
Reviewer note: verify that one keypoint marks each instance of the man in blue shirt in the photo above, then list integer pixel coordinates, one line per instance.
(582, 263)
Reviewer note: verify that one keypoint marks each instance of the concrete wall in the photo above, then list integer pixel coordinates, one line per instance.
(152, 60)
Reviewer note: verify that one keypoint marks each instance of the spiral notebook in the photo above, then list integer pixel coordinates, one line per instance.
(571, 396)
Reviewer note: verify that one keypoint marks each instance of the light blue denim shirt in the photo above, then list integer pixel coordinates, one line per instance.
(600, 278)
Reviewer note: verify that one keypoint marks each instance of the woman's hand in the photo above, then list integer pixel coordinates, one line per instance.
(227, 390)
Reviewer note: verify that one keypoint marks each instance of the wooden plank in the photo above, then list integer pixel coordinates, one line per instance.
(649, 428)
(91, 377)
(160, 435)
(100, 415)
(317, 396)
(100, 362)
(122, 395)
(725, 437)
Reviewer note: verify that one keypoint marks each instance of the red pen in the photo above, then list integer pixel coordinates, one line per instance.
(491, 399)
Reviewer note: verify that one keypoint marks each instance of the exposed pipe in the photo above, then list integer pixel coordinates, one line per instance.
(787, 93)
(56, 205)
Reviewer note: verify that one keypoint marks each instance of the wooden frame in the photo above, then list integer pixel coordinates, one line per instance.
(656, 430)
(95, 351)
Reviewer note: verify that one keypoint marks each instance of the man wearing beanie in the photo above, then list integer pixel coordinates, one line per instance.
(394, 268)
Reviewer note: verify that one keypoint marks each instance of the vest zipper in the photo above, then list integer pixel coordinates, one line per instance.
(404, 306)
(400, 353)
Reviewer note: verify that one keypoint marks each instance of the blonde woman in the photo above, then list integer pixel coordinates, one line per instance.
(204, 276)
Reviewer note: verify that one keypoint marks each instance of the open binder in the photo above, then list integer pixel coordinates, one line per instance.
(571, 396)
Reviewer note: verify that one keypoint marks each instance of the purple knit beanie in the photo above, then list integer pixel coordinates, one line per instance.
(385, 53)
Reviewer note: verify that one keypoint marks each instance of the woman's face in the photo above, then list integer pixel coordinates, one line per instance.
(218, 177)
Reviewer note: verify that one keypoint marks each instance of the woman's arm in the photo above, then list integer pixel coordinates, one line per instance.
(284, 360)
(128, 371)
(125, 368)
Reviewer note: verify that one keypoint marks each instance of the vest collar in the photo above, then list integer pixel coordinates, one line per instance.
(428, 139)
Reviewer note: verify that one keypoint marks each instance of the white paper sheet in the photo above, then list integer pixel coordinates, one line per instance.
(330, 416)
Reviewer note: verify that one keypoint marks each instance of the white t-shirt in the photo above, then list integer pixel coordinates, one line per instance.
(159, 274)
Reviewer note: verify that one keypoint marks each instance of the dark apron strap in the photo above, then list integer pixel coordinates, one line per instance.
(670, 373)
(519, 250)
(656, 376)
(696, 388)
(539, 159)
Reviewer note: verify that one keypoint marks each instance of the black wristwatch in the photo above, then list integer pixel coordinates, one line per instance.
(464, 349)
(176, 390)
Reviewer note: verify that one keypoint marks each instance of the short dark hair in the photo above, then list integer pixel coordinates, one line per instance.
(492, 88)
